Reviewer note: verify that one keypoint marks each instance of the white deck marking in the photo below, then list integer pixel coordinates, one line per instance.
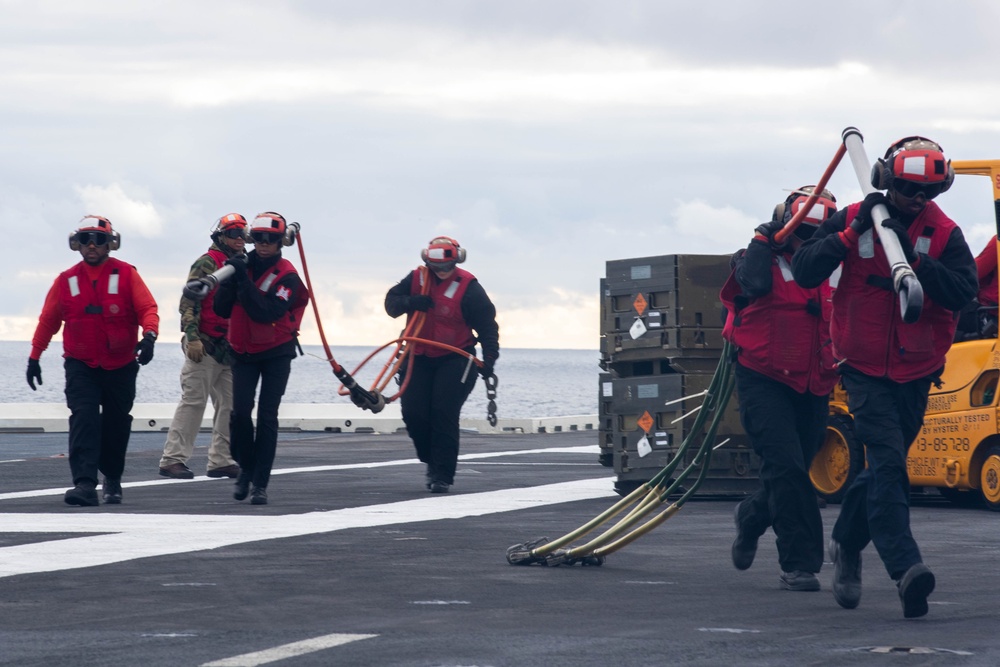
(735, 631)
(286, 651)
(125, 537)
(581, 449)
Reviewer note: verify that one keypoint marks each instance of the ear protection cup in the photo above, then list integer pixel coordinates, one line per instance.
(949, 178)
(779, 212)
(880, 180)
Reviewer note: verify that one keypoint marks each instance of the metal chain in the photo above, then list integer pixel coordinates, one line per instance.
(491, 394)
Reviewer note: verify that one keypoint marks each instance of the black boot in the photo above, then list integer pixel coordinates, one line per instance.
(242, 486)
(846, 575)
(83, 494)
(112, 491)
(914, 587)
(258, 496)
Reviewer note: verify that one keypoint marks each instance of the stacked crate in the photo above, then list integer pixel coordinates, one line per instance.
(661, 340)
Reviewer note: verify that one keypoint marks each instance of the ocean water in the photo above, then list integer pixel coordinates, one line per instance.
(532, 383)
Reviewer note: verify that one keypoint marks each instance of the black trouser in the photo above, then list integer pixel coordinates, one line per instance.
(887, 417)
(100, 402)
(786, 429)
(255, 453)
(432, 406)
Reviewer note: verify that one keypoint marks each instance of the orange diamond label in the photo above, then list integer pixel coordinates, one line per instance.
(645, 422)
(640, 304)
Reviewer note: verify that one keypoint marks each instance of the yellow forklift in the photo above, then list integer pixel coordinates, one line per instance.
(958, 449)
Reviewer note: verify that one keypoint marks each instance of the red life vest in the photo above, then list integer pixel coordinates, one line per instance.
(209, 323)
(101, 325)
(785, 334)
(249, 337)
(444, 322)
(867, 328)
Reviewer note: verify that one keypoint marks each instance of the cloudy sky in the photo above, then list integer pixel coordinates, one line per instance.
(546, 136)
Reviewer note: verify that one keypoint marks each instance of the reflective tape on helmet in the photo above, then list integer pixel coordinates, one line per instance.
(915, 165)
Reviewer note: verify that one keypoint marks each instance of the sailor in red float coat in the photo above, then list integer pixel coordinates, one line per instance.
(887, 367)
(103, 303)
(457, 310)
(784, 374)
(264, 301)
(867, 328)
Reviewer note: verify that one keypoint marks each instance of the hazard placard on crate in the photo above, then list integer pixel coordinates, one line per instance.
(640, 304)
(646, 422)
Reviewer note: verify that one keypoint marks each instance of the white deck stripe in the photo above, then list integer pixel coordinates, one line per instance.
(287, 651)
(123, 537)
(581, 449)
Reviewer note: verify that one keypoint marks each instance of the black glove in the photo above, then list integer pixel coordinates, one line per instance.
(903, 234)
(239, 264)
(863, 220)
(144, 350)
(487, 368)
(34, 373)
(419, 302)
(768, 230)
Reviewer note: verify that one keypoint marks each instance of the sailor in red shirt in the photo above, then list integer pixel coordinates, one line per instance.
(104, 304)
(784, 374)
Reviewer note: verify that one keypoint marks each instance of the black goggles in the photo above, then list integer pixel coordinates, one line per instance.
(910, 189)
(265, 237)
(97, 238)
(233, 233)
(440, 267)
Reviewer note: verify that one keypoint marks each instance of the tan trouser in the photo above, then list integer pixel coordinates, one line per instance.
(199, 381)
